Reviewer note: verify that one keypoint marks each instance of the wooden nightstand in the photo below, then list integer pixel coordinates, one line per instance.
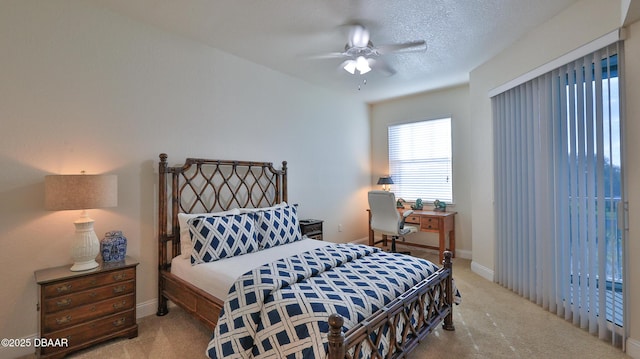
(312, 228)
(86, 308)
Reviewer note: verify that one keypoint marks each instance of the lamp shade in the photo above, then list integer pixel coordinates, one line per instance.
(63, 192)
(385, 180)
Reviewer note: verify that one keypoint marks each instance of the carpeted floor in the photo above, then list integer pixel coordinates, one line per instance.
(492, 322)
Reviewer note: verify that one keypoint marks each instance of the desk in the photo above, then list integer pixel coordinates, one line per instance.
(442, 223)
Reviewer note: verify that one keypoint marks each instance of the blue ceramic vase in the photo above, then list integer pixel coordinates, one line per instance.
(113, 246)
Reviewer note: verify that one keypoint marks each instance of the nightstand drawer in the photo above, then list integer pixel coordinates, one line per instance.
(88, 296)
(81, 314)
(316, 236)
(81, 334)
(311, 228)
(429, 223)
(88, 282)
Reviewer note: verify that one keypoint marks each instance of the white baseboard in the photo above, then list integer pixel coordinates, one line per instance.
(147, 308)
(482, 271)
(461, 253)
(633, 348)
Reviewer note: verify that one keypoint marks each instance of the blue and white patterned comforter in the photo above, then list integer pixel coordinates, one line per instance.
(280, 309)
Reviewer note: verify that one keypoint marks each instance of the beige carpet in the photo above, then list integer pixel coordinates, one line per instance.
(492, 322)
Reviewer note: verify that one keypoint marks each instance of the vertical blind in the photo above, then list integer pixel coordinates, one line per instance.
(420, 160)
(557, 189)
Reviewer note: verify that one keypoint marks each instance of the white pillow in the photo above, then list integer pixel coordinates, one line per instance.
(253, 210)
(186, 244)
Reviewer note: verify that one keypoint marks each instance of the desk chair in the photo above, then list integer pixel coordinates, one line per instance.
(385, 217)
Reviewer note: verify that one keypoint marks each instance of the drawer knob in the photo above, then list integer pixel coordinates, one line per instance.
(64, 302)
(64, 288)
(119, 289)
(119, 276)
(63, 320)
(119, 322)
(119, 305)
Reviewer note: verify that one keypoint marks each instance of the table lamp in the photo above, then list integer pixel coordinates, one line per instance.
(74, 192)
(385, 182)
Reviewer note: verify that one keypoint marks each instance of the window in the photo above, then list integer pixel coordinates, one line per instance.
(420, 160)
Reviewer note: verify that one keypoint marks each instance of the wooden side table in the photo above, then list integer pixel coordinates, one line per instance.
(312, 228)
(80, 309)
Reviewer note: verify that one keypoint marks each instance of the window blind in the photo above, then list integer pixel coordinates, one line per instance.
(557, 165)
(420, 160)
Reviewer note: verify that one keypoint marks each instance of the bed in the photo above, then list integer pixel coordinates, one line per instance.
(206, 194)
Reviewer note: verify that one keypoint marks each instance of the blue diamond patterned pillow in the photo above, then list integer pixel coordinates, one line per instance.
(278, 226)
(217, 237)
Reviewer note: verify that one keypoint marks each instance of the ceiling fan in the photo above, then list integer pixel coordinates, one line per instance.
(361, 56)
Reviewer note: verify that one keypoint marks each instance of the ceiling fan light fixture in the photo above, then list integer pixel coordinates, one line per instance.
(360, 55)
(362, 65)
(350, 66)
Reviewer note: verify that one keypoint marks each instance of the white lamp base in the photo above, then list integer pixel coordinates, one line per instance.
(82, 266)
(86, 245)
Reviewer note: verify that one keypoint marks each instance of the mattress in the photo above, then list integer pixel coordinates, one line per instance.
(217, 277)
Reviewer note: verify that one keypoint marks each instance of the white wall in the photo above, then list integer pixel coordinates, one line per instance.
(451, 102)
(82, 88)
(580, 24)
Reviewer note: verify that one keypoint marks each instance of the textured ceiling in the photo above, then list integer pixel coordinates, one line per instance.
(285, 34)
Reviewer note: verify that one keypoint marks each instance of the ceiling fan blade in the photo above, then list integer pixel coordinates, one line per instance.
(413, 46)
(330, 55)
(381, 66)
(358, 36)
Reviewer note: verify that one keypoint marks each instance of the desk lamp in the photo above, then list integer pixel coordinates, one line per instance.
(385, 182)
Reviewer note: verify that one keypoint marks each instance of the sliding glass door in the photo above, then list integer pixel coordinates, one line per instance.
(559, 192)
(592, 189)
